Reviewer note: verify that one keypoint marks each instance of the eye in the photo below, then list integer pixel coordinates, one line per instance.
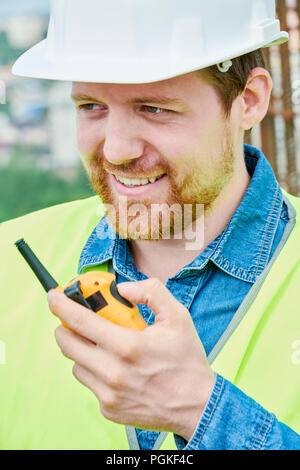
(155, 110)
(90, 107)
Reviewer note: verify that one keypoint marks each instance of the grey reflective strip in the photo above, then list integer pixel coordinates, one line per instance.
(252, 294)
(132, 438)
(162, 436)
(134, 443)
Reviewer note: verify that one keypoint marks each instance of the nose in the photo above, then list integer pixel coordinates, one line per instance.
(122, 142)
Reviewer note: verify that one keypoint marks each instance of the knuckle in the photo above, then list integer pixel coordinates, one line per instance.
(154, 286)
(62, 341)
(65, 350)
(109, 402)
(76, 370)
(155, 283)
(129, 352)
(106, 412)
(77, 321)
(115, 380)
(79, 373)
(58, 333)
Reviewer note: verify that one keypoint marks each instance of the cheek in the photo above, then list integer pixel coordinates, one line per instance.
(186, 152)
(195, 136)
(88, 138)
(177, 144)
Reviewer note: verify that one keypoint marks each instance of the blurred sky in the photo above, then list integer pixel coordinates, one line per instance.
(23, 7)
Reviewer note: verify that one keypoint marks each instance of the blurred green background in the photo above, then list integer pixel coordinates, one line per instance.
(25, 188)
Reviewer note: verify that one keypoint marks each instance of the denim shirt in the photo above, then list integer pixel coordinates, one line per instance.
(212, 287)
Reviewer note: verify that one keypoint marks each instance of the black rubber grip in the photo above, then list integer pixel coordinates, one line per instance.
(115, 293)
(74, 293)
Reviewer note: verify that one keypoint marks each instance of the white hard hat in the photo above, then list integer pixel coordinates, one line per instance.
(142, 41)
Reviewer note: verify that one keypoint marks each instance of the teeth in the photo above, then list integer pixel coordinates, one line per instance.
(135, 181)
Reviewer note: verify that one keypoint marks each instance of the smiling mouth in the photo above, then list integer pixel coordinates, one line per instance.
(137, 181)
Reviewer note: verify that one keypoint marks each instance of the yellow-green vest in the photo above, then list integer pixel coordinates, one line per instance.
(43, 406)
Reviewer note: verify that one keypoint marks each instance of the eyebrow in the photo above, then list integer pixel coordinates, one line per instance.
(159, 100)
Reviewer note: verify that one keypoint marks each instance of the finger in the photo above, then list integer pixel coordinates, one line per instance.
(75, 347)
(85, 377)
(108, 398)
(88, 324)
(154, 294)
(103, 367)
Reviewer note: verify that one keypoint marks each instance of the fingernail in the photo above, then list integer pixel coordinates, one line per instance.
(50, 294)
(126, 285)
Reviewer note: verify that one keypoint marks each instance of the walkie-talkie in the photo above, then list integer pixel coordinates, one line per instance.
(96, 290)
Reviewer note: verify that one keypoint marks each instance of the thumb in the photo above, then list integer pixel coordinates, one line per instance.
(155, 295)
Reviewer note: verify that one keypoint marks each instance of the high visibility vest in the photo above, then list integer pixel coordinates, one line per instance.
(43, 406)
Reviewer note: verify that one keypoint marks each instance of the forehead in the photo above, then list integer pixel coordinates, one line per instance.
(182, 87)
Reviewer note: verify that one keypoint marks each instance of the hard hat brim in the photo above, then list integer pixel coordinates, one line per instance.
(37, 62)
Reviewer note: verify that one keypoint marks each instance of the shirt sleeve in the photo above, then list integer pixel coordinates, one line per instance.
(234, 421)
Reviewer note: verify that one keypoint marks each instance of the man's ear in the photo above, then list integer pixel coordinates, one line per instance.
(256, 97)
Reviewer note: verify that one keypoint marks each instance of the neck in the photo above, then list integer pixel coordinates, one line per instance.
(164, 258)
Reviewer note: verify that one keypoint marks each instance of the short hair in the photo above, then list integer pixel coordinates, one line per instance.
(231, 84)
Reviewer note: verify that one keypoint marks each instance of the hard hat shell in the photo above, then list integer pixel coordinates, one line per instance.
(142, 41)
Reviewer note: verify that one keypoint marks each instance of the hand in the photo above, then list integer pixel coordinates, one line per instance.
(156, 379)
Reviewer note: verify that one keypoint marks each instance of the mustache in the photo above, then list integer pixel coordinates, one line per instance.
(137, 168)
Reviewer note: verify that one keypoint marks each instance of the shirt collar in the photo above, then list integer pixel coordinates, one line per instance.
(242, 250)
(246, 243)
